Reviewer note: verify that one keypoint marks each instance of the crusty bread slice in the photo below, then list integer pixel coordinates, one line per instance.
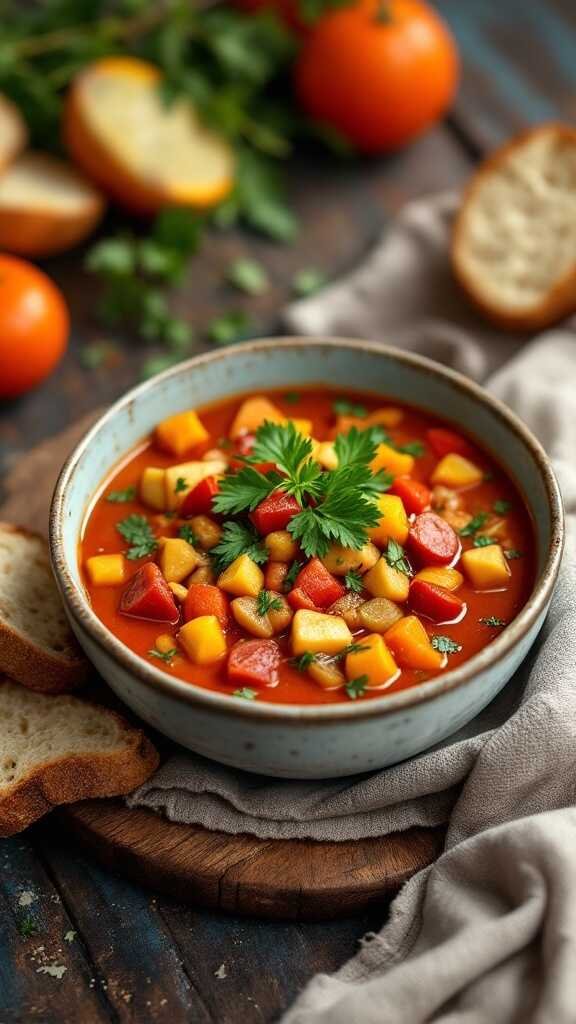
(37, 647)
(13, 134)
(57, 750)
(514, 241)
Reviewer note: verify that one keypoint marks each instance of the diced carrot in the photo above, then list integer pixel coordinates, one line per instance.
(435, 602)
(298, 598)
(411, 646)
(275, 512)
(178, 434)
(148, 596)
(198, 501)
(204, 599)
(252, 414)
(254, 663)
(320, 585)
(414, 494)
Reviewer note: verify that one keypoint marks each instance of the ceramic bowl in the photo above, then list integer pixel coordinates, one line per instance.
(289, 740)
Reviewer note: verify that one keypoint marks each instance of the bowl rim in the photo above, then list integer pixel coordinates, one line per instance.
(197, 696)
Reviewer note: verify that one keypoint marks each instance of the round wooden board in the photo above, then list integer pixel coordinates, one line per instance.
(290, 879)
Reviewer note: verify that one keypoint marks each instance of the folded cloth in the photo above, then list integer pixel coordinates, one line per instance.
(487, 932)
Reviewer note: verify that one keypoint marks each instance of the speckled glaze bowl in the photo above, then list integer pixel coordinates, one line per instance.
(289, 740)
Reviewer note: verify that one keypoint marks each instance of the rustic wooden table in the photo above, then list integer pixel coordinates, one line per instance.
(105, 950)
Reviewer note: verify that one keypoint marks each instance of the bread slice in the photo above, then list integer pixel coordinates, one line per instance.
(13, 134)
(57, 750)
(37, 647)
(514, 241)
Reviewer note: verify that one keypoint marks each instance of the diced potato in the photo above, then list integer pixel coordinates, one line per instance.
(180, 592)
(456, 471)
(379, 614)
(242, 577)
(153, 488)
(384, 581)
(394, 523)
(441, 576)
(177, 434)
(280, 617)
(203, 640)
(456, 518)
(252, 414)
(203, 574)
(177, 559)
(302, 426)
(245, 611)
(347, 607)
(445, 498)
(325, 453)
(315, 631)
(486, 568)
(325, 671)
(106, 570)
(181, 479)
(340, 560)
(411, 646)
(207, 531)
(281, 546)
(388, 416)
(375, 661)
(165, 643)
(396, 463)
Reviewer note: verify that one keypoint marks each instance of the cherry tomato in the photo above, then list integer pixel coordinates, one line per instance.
(379, 71)
(34, 326)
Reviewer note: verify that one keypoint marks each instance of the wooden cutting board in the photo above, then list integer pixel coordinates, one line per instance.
(296, 879)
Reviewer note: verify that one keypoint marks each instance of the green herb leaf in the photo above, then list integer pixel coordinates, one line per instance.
(98, 354)
(187, 533)
(248, 276)
(502, 507)
(512, 553)
(492, 620)
(291, 575)
(396, 558)
(229, 327)
(137, 531)
(180, 485)
(445, 645)
(303, 661)
(267, 602)
(245, 693)
(475, 524)
(353, 582)
(119, 497)
(243, 491)
(481, 541)
(292, 397)
(342, 407)
(27, 927)
(353, 648)
(357, 687)
(414, 448)
(237, 539)
(308, 281)
(165, 656)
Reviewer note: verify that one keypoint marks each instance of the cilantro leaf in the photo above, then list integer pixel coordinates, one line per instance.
(357, 447)
(482, 541)
(445, 645)
(137, 531)
(291, 451)
(342, 516)
(248, 276)
(415, 448)
(187, 533)
(308, 281)
(237, 539)
(492, 620)
(267, 602)
(396, 558)
(303, 661)
(357, 687)
(165, 656)
(353, 648)
(353, 582)
(232, 326)
(292, 397)
(243, 491)
(180, 485)
(120, 497)
(502, 507)
(246, 693)
(291, 575)
(474, 525)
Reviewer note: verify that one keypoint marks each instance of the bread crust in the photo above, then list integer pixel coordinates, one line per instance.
(560, 300)
(30, 664)
(78, 776)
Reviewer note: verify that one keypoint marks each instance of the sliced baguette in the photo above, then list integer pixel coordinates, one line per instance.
(37, 647)
(13, 134)
(514, 241)
(57, 750)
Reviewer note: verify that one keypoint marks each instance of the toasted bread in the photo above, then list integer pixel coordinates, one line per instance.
(514, 240)
(13, 134)
(37, 647)
(57, 750)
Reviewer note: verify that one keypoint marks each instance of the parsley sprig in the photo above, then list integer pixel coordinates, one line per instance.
(396, 558)
(357, 687)
(303, 661)
(445, 644)
(137, 531)
(237, 539)
(267, 602)
(475, 524)
(121, 497)
(165, 656)
(353, 582)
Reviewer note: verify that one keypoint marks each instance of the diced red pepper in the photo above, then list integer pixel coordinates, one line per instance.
(319, 584)
(254, 663)
(274, 576)
(433, 540)
(148, 596)
(205, 599)
(446, 441)
(275, 512)
(298, 598)
(415, 496)
(435, 602)
(198, 501)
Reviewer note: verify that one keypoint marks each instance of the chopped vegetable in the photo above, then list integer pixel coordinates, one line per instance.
(342, 561)
(298, 599)
(432, 540)
(203, 640)
(254, 663)
(153, 488)
(204, 531)
(148, 596)
(180, 433)
(318, 632)
(137, 531)
(486, 568)
(325, 671)
(442, 576)
(394, 462)
(393, 524)
(275, 512)
(281, 546)
(243, 577)
(252, 414)
(177, 559)
(191, 473)
(106, 570)
(321, 587)
(415, 496)
(180, 592)
(198, 501)
(435, 602)
(411, 646)
(456, 471)
(275, 576)
(378, 614)
(374, 662)
(247, 613)
(204, 599)
(385, 580)
(444, 442)
(348, 608)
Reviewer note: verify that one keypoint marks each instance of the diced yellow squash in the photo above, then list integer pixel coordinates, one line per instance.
(388, 416)
(378, 614)
(396, 463)
(203, 640)
(177, 559)
(394, 523)
(281, 546)
(106, 570)
(164, 643)
(302, 426)
(206, 530)
(325, 453)
(180, 479)
(441, 576)
(178, 434)
(486, 568)
(242, 577)
(456, 471)
(325, 671)
(375, 661)
(317, 632)
(180, 591)
(340, 560)
(153, 488)
(252, 414)
(411, 646)
(384, 581)
(203, 574)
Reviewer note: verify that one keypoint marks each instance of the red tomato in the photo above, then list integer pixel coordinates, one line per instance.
(275, 512)
(379, 71)
(435, 602)
(148, 596)
(415, 496)
(319, 584)
(34, 326)
(254, 663)
(198, 501)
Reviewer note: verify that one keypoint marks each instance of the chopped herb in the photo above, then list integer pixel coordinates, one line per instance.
(229, 327)
(301, 663)
(357, 687)
(445, 645)
(396, 558)
(492, 620)
(474, 525)
(246, 693)
(308, 281)
(237, 539)
(165, 656)
(512, 553)
(291, 575)
(137, 531)
(353, 582)
(267, 602)
(501, 507)
(181, 485)
(27, 927)
(342, 407)
(482, 541)
(119, 497)
(352, 648)
(248, 276)
(187, 533)
(292, 397)
(414, 448)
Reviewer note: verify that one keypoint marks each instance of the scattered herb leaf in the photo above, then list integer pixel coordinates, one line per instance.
(27, 927)
(445, 645)
(237, 539)
(119, 497)
(291, 575)
(353, 648)
(475, 524)
(137, 531)
(180, 485)
(342, 407)
(303, 661)
(357, 687)
(512, 553)
(292, 397)
(187, 533)
(492, 620)
(165, 656)
(396, 558)
(246, 693)
(353, 582)
(414, 448)
(248, 276)
(232, 326)
(267, 602)
(502, 507)
(482, 541)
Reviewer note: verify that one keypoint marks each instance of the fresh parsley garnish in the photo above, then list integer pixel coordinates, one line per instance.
(303, 661)
(237, 539)
(492, 620)
(357, 687)
(187, 533)
(165, 656)
(512, 553)
(342, 407)
(482, 541)
(353, 648)
(137, 531)
(180, 485)
(246, 693)
(396, 558)
(353, 582)
(475, 524)
(502, 507)
(445, 645)
(248, 276)
(267, 602)
(120, 497)
(290, 577)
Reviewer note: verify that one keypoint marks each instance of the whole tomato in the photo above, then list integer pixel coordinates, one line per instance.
(379, 71)
(34, 326)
